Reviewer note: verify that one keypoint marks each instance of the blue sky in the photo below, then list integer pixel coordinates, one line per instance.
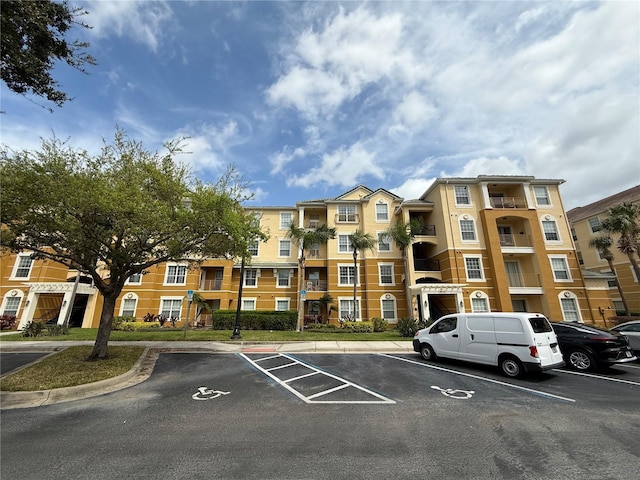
(308, 100)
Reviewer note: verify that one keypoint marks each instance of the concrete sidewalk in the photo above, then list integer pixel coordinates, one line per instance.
(144, 366)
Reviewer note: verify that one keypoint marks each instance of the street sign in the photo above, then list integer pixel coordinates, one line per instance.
(303, 295)
(190, 295)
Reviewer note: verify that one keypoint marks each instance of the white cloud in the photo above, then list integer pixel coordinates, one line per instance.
(412, 188)
(287, 155)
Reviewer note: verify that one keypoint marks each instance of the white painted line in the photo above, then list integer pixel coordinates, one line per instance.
(310, 399)
(282, 366)
(301, 377)
(601, 377)
(485, 379)
(270, 357)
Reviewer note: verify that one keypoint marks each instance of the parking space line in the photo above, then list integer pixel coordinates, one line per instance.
(485, 379)
(601, 377)
(380, 399)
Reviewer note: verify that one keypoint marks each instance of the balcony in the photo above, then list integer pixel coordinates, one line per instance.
(508, 202)
(209, 285)
(347, 218)
(426, 265)
(428, 230)
(523, 283)
(316, 285)
(509, 240)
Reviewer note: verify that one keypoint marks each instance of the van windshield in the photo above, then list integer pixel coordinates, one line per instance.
(540, 324)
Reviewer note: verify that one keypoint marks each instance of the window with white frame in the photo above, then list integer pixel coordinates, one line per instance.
(542, 195)
(384, 245)
(388, 307)
(285, 220)
(284, 249)
(22, 267)
(560, 268)
(176, 274)
(346, 309)
(254, 247)
(595, 225)
(467, 229)
(550, 230)
(283, 278)
(251, 277)
(346, 213)
(170, 307)
(479, 302)
(128, 306)
(314, 220)
(386, 273)
(248, 304)
(11, 305)
(473, 266)
(135, 279)
(382, 212)
(282, 304)
(570, 309)
(346, 275)
(344, 245)
(462, 195)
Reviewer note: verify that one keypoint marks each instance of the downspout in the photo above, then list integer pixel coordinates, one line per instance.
(453, 242)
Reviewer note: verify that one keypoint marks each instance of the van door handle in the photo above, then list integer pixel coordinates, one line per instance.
(472, 337)
(455, 335)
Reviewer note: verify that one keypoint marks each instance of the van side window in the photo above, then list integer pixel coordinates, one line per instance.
(446, 325)
(540, 325)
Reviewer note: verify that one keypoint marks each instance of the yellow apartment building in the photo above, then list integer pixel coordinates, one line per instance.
(489, 243)
(586, 224)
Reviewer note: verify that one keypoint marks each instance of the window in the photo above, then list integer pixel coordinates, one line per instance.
(176, 275)
(253, 248)
(128, 307)
(386, 273)
(467, 230)
(550, 230)
(22, 267)
(346, 275)
(446, 325)
(283, 278)
(388, 308)
(479, 304)
(382, 212)
(383, 242)
(314, 251)
(473, 265)
(560, 268)
(570, 310)
(462, 195)
(285, 248)
(344, 245)
(314, 220)
(251, 277)
(11, 305)
(595, 225)
(248, 304)
(282, 304)
(170, 307)
(347, 213)
(135, 279)
(286, 218)
(542, 195)
(346, 309)
(518, 305)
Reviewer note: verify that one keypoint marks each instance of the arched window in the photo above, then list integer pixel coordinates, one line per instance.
(479, 302)
(570, 306)
(388, 308)
(128, 305)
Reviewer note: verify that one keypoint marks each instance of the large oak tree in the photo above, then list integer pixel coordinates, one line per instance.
(117, 213)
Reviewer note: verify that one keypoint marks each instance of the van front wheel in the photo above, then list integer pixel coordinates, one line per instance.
(427, 352)
(511, 366)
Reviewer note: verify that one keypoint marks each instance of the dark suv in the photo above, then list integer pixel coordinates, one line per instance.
(587, 347)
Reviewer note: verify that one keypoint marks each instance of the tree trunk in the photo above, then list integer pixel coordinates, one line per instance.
(634, 263)
(624, 301)
(355, 281)
(100, 347)
(300, 322)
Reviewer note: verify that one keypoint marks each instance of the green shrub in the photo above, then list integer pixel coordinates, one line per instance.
(32, 329)
(357, 327)
(7, 322)
(255, 320)
(322, 327)
(116, 322)
(407, 327)
(380, 324)
(57, 330)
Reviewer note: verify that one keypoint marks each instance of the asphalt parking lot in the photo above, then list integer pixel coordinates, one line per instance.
(269, 415)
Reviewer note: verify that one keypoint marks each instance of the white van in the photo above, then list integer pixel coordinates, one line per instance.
(514, 341)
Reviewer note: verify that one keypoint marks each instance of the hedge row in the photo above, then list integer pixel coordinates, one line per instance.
(255, 320)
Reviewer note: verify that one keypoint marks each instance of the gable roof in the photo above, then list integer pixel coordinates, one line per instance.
(591, 210)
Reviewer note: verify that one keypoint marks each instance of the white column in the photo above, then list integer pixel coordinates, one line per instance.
(29, 309)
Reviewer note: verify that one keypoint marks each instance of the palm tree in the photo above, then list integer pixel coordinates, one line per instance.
(603, 244)
(624, 220)
(325, 302)
(305, 238)
(359, 241)
(201, 306)
(402, 235)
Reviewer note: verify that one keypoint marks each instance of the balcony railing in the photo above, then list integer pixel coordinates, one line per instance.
(508, 202)
(426, 264)
(429, 230)
(347, 218)
(511, 240)
(208, 285)
(316, 285)
(523, 280)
